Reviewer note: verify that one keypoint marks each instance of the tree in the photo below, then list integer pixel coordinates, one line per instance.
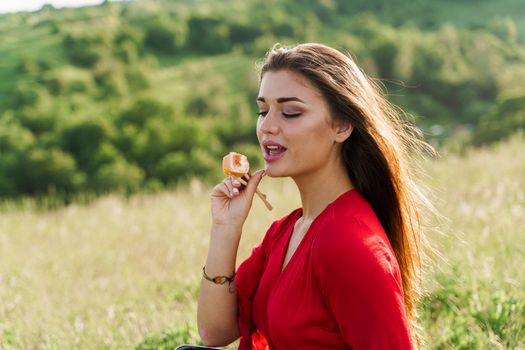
(82, 50)
(209, 35)
(83, 138)
(507, 117)
(40, 171)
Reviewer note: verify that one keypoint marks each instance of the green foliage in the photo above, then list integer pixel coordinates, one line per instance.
(504, 28)
(507, 116)
(159, 36)
(82, 50)
(39, 171)
(137, 79)
(143, 110)
(127, 43)
(83, 140)
(37, 120)
(118, 175)
(25, 94)
(473, 318)
(166, 83)
(208, 35)
(173, 166)
(243, 33)
(13, 136)
(107, 75)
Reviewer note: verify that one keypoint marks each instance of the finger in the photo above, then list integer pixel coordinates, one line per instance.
(229, 183)
(233, 191)
(227, 190)
(236, 183)
(254, 181)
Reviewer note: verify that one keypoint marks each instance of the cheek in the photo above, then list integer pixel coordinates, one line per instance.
(315, 136)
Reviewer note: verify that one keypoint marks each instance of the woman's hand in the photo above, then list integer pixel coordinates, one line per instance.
(231, 201)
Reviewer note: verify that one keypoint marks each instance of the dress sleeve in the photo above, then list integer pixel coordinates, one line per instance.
(360, 281)
(246, 281)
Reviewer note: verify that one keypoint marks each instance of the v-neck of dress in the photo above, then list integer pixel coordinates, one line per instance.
(290, 232)
(288, 239)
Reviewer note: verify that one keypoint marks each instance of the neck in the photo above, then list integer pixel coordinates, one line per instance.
(322, 187)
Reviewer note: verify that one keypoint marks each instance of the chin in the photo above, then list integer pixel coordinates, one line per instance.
(272, 172)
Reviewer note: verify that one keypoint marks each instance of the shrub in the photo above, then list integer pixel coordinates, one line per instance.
(173, 167)
(137, 79)
(107, 75)
(143, 110)
(13, 136)
(41, 171)
(208, 35)
(25, 94)
(82, 50)
(242, 33)
(506, 118)
(128, 34)
(54, 83)
(37, 120)
(7, 186)
(205, 165)
(77, 86)
(504, 28)
(160, 37)
(27, 65)
(83, 138)
(127, 52)
(119, 175)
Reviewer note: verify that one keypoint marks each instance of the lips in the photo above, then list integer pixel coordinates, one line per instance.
(273, 150)
(273, 144)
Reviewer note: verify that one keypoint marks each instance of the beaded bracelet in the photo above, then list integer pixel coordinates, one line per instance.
(218, 279)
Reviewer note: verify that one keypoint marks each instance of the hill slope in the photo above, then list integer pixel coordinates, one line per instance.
(111, 97)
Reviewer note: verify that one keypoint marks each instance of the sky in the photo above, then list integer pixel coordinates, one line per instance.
(33, 5)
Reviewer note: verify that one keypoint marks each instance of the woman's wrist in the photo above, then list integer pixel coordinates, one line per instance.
(226, 229)
(222, 253)
(229, 225)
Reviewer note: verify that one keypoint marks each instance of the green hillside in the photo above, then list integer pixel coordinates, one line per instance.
(146, 94)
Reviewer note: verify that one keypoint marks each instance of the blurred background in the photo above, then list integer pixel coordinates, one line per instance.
(114, 117)
(146, 94)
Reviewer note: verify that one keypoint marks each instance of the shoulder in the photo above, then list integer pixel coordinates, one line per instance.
(351, 237)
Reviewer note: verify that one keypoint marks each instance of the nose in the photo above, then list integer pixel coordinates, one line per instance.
(269, 123)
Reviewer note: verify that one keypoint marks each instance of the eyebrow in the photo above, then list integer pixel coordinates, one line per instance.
(282, 99)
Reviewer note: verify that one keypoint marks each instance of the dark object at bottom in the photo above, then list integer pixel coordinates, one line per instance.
(195, 347)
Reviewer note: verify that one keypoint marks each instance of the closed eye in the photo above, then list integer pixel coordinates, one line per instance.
(292, 115)
(286, 115)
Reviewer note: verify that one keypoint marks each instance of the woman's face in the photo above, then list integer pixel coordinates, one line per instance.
(294, 128)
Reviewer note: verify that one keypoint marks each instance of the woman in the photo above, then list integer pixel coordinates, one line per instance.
(341, 272)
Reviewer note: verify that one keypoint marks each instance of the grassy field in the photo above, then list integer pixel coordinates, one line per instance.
(117, 272)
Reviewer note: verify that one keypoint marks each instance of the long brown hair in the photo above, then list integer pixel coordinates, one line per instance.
(376, 155)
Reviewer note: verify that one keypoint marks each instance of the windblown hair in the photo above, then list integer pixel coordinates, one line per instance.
(377, 155)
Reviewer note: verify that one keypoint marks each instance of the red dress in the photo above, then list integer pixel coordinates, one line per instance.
(340, 290)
